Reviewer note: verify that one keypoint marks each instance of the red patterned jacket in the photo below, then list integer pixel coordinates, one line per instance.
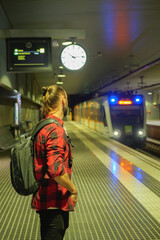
(52, 151)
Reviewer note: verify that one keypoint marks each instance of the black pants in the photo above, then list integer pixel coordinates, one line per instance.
(54, 223)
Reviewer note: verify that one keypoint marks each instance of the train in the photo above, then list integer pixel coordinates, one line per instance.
(121, 117)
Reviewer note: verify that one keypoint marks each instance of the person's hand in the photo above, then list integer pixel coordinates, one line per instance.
(74, 198)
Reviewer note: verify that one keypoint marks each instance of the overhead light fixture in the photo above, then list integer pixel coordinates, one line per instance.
(59, 82)
(69, 41)
(60, 67)
(61, 75)
(149, 93)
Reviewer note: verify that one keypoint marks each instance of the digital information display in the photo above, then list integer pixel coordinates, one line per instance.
(29, 54)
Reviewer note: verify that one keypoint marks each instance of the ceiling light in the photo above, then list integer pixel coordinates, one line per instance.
(61, 75)
(60, 67)
(67, 42)
(71, 40)
(59, 83)
(149, 93)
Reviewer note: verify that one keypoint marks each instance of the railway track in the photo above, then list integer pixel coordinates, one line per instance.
(153, 144)
(152, 148)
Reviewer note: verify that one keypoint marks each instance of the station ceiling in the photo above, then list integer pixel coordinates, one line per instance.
(121, 38)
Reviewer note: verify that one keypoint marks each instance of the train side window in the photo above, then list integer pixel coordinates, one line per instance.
(103, 114)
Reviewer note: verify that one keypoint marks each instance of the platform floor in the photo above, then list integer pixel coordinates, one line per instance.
(119, 193)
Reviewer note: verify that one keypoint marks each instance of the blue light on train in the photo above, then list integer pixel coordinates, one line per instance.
(113, 99)
(138, 99)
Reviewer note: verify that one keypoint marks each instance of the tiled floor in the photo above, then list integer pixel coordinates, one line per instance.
(119, 193)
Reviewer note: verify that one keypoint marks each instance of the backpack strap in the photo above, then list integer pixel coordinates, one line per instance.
(42, 124)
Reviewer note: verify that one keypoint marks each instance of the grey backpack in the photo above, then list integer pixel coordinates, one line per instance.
(22, 162)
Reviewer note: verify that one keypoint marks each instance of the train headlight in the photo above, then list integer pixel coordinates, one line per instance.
(117, 133)
(140, 132)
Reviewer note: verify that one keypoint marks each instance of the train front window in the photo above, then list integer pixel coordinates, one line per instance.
(126, 115)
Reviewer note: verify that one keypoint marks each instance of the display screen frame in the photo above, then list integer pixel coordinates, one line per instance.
(34, 64)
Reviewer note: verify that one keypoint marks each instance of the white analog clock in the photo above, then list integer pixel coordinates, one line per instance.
(73, 57)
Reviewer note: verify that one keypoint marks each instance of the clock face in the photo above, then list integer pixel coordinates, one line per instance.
(73, 57)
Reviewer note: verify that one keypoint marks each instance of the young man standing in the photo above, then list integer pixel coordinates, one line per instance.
(57, 195)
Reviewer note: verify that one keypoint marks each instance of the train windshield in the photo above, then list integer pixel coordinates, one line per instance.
(126, 114)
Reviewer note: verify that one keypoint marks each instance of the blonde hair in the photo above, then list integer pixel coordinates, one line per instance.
(51, 97)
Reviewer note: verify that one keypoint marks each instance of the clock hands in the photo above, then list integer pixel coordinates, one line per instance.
(71, 55)
(76, 56)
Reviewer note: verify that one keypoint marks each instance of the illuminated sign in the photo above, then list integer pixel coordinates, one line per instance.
(28, 55)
